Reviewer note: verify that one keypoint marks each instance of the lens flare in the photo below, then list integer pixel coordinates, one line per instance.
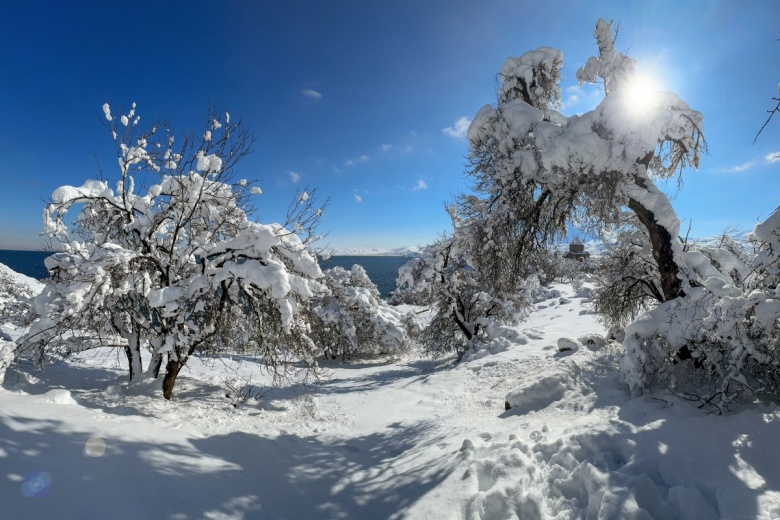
(36, 484)
(95, 447)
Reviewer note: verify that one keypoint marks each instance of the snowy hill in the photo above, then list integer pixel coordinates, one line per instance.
(594, 246)
(417, 439)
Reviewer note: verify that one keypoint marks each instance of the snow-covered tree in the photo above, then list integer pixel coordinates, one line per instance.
(534, 170)
(417, 279)
(163, 266)
(443, 277)
(543, 170)
(702, 320)
(351, 319)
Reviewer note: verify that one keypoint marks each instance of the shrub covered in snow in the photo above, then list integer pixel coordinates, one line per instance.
(351, 319)
(718, 342)
(465, 302)
(16, 293)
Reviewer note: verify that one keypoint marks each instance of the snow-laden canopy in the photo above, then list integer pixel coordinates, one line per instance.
(163, 265)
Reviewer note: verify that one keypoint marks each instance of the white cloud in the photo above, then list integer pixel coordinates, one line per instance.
(358, 198)
(385, 147)
(313, 94)
(572, 97)
(769, 158)
(459, 129)
(772, 157)
(294, 176)
(355, 162)
(420, 185)
(742, 167)
(583, 97)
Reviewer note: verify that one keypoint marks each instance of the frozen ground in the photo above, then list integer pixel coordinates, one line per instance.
(411, 439)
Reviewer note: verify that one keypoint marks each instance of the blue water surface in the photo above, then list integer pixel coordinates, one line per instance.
(29, 263)
(381, 269)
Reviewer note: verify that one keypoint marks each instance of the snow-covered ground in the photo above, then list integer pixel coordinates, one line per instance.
(417, 438)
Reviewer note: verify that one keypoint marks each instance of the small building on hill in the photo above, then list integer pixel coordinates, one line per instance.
(577, 251)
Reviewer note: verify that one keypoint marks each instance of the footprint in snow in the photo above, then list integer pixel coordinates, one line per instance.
(539, 435)
(533, 334)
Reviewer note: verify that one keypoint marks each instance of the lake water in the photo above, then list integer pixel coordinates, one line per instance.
(29, 263)
(381, 269)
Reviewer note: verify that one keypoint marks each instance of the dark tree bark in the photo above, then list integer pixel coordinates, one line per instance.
(171, 371)
(661, 241)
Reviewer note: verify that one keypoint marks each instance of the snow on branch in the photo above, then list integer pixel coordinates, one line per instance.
(161, 268)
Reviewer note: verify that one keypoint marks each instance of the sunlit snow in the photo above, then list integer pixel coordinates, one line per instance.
(390, 438)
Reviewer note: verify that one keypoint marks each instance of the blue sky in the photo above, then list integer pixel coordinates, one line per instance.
(361, 99)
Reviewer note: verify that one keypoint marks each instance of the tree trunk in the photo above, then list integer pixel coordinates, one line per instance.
(133, 352)
(461, 322)
(155, 364)
(171, 371)
(661, 241)
(660, 237)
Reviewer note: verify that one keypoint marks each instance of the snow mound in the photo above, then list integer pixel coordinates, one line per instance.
(500, 339)
(57, 396)
(594, 342)
(568, 344)
(544, 293)
(537, 395)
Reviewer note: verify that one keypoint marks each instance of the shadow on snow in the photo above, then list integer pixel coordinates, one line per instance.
(238, 475)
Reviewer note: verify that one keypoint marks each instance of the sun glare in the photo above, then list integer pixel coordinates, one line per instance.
(641, 95)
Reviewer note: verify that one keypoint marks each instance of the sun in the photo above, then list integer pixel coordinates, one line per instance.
(641, 95)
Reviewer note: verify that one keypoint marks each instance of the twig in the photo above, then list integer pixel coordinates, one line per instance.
(771, 113)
